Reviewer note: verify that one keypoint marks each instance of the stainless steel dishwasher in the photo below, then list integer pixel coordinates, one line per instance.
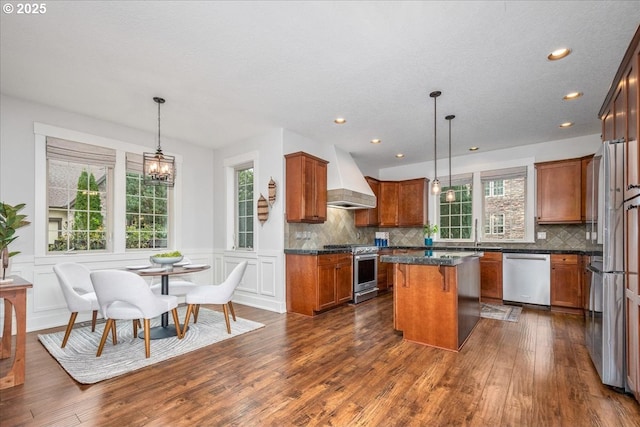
(526, 278)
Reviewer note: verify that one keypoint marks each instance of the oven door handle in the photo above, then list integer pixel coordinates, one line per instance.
(365, 257)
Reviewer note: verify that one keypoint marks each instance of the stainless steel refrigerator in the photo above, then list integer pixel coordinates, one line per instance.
(605, 323)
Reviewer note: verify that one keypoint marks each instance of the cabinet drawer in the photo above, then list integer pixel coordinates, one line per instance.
(492, 256)
(564, 259)
(334, 259)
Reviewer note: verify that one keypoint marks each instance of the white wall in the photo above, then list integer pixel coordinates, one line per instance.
(263, 283)
(46, 306)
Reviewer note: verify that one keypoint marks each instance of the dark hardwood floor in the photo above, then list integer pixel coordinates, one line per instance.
(346, 367)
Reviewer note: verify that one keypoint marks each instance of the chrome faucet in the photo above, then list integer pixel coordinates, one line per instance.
(475, 232)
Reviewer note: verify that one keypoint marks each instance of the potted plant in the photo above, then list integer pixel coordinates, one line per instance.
(429, 230)
(10, 221)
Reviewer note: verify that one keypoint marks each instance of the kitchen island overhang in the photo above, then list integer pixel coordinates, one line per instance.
(436, 296)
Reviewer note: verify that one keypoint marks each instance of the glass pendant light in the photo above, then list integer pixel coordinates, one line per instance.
(435, 185)
(451, 195)
(158, 168)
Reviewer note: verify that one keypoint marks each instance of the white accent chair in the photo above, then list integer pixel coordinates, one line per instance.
(125, 295)
(75, 282)
(215, 294)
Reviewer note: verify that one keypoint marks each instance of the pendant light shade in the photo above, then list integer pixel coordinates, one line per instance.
(158, 168)
(451, 195)
(435, 185)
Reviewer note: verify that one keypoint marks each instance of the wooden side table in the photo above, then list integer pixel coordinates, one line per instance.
(15, 297)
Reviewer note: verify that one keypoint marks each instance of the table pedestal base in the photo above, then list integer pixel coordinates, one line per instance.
(161, 332)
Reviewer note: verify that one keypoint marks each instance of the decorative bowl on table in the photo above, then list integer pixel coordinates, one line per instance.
(166, 260)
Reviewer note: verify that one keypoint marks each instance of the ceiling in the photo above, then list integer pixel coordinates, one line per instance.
(233, 70)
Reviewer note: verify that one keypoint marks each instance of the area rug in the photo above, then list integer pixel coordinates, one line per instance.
(509, 313)
(79, 359)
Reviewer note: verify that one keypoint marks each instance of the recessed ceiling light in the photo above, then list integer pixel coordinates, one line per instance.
(399, 155)
(566, 124)
(572, 95)
(340, 121)
(376, 141)
(559, 54)
(473, 148)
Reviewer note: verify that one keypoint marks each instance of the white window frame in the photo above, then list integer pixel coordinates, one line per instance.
(492, 223)
(232, 164)
(115, 240)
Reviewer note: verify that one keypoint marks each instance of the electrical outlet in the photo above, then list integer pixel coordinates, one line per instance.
(542, 235)
(588, 235)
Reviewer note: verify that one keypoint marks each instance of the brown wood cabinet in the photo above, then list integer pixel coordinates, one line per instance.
(620, 119)
(403, 203)
(566, 284)
(369, 217)
(318, 282)
(412, 202)
(385, 271)
(559, 190)
(306, 188)
(388, 207)
(491, 277)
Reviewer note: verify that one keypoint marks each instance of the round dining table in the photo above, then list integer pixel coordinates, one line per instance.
(163, 331)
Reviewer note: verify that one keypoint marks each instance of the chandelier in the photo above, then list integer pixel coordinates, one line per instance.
(158, 168)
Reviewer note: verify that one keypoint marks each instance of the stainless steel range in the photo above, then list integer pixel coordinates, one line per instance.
(365, 270)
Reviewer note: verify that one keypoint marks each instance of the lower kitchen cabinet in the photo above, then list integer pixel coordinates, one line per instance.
(385, 271)
(566, 286)
(318, 282)
(491, 277)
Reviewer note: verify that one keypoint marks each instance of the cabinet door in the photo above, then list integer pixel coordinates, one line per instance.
(559, 190)
(491, 275)
(388, 207)
(632, 303)
(344, 281)
(369, 217)
(566, 289)
(315, 190)
(326, 286)
(412, 198)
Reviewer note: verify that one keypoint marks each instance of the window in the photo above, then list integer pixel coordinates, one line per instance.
(504, 217)
(147, 210)
(244, 207)
(456, 217)
(78, 187)
(494, 188)
(494, 224)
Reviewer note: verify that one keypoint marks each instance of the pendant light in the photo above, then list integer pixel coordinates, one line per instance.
(435, 185)
(451, 195)
(158, 168)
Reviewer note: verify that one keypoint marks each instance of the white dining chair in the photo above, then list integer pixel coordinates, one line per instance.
(125, 295)
(215, 294)
(75, 282)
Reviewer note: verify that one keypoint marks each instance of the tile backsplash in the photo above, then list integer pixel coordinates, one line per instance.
(340, 228)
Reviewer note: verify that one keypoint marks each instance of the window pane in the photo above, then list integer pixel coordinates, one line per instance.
(147, 214)
(456, 217)
(504, 208)
(76, 200)
(244, 210)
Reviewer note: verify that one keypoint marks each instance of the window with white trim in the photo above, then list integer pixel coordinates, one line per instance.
(244, 207)
(456, 218)
(79, 186)
(147, 209)
(504, 217)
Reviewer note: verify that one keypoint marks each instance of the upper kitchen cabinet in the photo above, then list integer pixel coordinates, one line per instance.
(402, 203)
(561, 189)
(370, 217)
(388, 203)
(306, 188)
(412, 203)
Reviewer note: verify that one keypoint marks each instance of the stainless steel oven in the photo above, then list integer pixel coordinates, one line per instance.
(365, 275)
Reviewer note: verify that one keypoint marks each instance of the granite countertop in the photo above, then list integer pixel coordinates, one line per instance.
(429, 257)
(488, 248)
(317, 251)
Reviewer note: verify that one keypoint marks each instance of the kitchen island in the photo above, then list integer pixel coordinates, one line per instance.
(436, 296)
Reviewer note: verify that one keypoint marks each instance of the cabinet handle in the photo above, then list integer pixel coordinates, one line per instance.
(632, 186)
(633, 207)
